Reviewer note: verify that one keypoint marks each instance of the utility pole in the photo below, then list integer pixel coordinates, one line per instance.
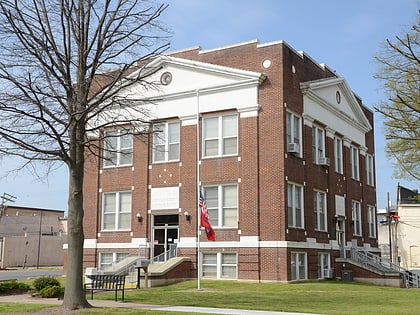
(388, 214)
(4, 199)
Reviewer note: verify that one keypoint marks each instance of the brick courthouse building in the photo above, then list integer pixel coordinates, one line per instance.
(286, 153)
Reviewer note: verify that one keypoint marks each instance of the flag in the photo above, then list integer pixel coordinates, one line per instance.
(205, 220)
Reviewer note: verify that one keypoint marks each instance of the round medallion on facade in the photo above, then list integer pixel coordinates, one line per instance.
(338, 97)
(166, 78)
(266, 63)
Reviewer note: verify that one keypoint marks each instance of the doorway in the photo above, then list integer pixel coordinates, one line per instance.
(341, 236)
(165, 236)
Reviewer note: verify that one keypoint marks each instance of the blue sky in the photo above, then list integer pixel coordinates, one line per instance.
(344, 34)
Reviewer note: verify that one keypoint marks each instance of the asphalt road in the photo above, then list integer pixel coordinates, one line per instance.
(22, 274)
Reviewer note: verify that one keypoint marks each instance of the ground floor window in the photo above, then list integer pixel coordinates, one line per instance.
(106, 260)
(219, 265)
(298, 266)
(324, 265)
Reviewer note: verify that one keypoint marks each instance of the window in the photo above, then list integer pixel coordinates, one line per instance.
(219, 265)
(106, 260)
(293, 129)
(338, 155)
(220, 135)
(320, 208)
(295, 205)
(354, 162)
(118, 148)
(166, 142)
(222, 204)
(318, 144)
(369, 170)
(372, 221)
(116, 211)
(324, 266)
(298, 266)
(357, 218)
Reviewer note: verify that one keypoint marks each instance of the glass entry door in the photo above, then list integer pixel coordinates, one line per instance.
(165, 237)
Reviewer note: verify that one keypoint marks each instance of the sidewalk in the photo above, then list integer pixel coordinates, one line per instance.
(27, 299)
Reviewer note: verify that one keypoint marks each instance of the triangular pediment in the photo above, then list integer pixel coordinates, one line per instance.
(335, 96)
(173, 76)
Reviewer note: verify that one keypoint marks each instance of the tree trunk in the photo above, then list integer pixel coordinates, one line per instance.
(74, 296)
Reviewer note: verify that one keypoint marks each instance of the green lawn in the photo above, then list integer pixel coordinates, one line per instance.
(326, 297)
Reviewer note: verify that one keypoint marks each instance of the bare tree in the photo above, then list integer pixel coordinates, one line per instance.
(399, 69)
(54, 92)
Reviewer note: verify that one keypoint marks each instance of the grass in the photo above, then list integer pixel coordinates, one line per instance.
(325, 297)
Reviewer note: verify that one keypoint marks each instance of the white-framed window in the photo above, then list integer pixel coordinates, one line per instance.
(372, 221)
(222, 205)
(295, 205)
(219, 265)
(354, 162)
(320, 209)
(338, 155)
(106, 260)
(116, 211)
(324, 266)
(369, 170)
(318, 144)
(220, 135)
(166, 142)
(293, 130)
(356, 218)
(118, 148)
(298, 266)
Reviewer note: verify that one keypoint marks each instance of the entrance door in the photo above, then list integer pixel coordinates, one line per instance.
(165, 236)
(341, 236)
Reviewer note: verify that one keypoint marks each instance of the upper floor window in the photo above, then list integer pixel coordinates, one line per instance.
(293, 133)
(354, 162)
(369, 170)
(356, 218)
(338, 155)
(295, 205)
(372, 221)
(166, 142)
(116, 211)
(222, 205)
(118, 148)
(220, 135)
(320, 208)
(318, 144)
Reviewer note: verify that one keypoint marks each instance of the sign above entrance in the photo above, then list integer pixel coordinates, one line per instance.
(165, 198)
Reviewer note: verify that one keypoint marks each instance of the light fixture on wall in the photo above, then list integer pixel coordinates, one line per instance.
(187, 216)
(139, 218)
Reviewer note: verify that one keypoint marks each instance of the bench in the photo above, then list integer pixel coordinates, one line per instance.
(106, 283)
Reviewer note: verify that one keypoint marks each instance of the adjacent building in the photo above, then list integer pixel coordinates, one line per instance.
(31, 236)
(281, 147)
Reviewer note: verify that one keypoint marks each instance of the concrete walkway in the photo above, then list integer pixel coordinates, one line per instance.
(27, 299)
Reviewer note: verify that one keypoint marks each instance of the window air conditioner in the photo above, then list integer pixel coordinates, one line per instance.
(293, 148)
(324, 161)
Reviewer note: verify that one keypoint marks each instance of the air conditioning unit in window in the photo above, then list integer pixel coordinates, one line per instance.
(324, 161)
(293, 148)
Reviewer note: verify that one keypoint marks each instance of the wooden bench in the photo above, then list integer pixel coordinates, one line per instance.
(106, 283)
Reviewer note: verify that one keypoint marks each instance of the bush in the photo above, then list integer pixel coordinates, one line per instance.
(8, 286)
(44, 282)
(51, 291)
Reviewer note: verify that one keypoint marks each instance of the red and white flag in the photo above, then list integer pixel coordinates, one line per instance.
(205, 219)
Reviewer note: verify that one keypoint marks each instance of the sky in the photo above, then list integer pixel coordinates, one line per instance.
(345, 35)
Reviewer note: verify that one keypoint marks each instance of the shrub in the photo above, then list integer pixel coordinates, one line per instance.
(8, 286)
(51, 291)
(44, 282)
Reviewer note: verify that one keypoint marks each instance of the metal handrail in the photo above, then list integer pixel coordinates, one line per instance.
(170, 253)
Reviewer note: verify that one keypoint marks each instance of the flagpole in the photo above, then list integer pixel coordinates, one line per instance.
(198, 195)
